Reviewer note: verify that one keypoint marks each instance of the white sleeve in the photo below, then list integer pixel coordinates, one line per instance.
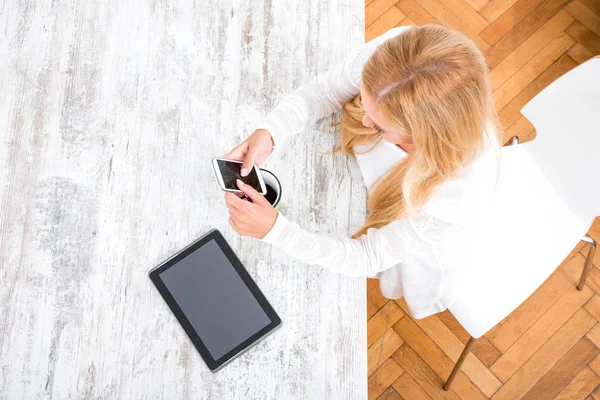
(323, 94)
(375, 251)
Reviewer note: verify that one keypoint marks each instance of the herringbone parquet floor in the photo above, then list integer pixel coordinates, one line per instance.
(549, 347)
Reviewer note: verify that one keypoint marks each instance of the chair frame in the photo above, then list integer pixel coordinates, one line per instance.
(471, 341)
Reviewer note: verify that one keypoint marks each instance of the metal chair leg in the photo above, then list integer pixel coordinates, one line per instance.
(459, 363)
(588, 261)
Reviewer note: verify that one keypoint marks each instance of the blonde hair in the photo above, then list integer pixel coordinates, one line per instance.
(431, 83)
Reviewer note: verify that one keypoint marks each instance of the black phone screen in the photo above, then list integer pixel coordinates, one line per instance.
(231, 170)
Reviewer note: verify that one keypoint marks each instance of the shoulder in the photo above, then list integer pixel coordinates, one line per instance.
(469, 193)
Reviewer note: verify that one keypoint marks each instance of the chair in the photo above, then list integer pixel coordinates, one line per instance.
(548, 195)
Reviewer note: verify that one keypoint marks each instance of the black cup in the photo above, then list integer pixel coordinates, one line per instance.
(273, 186)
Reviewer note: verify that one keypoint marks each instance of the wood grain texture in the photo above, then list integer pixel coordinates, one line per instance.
(383, 320)
(579, 53)
(421, 372)
(593, 306)
(483, 349)
(381, 25)
(473, 368)
(382, 349)
(543, 360)
(583, 384)
(511, 112)
(587, 38)
(110, 115)
(383, 377)
(500, 27)
(565, 370)
(409, 389)
(433, 356)
(534, 67)
(375, 299)
(539, 333)
(390, 394)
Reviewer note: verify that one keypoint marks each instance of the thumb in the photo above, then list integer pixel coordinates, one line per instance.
(250, 192)
(249, 160)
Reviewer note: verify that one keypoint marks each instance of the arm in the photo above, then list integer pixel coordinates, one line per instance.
(371, 253)
(323, 94)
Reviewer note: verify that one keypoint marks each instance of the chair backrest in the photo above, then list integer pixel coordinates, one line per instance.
(545, 202)
(566, 116)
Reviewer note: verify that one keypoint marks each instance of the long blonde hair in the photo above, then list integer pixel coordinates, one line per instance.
(432, 83)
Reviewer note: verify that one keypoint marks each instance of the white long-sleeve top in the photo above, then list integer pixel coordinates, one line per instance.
(416, 257)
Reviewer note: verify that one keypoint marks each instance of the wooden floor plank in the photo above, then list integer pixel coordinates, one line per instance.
(595, 394)
(477, 4)
(415, 12)
(593, 307)
(383, 377)
(503, 25)
(406, 22)
(376, 9)
(513, 51)
(594, 335)
(383, 320)
(580, 387)
(595, 365)
(546, 357)
(587, 17)
(512, 111)
(418, 369)
(449, 19)
(580, 53)
(483, 349)
(495, 8)
(535, 306)
(540, 332)
(468, 15)
(384, 23)
(390, 394)
(583, 35)
(382, 349)
(435, 358)
(409, 389)
(375, 300)
(593, 5)
(564, 371)
(521, 128)
(534, 67)
(473, 368)
(593, 279)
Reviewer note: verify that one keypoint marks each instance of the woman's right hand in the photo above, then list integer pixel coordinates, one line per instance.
(253, 150)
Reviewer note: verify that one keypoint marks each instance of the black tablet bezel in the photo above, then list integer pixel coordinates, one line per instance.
(213, 364)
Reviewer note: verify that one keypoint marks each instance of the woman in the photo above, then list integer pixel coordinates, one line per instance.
(418, 114)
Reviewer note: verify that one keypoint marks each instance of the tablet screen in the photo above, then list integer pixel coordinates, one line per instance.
(215, 299)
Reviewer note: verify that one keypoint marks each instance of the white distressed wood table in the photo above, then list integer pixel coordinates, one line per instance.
(110, 113)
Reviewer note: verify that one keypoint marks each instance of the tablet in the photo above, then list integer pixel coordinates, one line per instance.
(215, 300)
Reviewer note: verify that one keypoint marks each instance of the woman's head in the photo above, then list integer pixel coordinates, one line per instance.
(427, 89)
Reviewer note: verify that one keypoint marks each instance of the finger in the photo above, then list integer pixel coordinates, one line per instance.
(250, 192)
(249, 160)
(238, 153)
(234, 225)
(233, 201)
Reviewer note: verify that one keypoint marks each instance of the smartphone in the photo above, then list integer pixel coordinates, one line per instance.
(227, 171)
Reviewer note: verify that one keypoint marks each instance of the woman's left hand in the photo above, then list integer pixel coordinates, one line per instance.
(250, 219)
